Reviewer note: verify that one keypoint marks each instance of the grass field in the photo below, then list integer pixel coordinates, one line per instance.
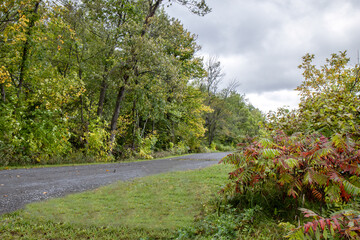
(153, 207)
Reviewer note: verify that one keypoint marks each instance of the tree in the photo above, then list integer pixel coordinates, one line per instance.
(329, 96)
(130, 65)
(158, 97)
(17, 40)
(210, 85)
(329, 99)
(231, 118)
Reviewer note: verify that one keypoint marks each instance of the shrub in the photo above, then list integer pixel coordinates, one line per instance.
(305, 167)
(147, 145)
(96, 141)
(341, 225)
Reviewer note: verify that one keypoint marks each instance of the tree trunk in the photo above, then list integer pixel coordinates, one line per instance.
(135, 125)
(113, 124)
(103, 89)
(212, 133)
(3, 94)
(26, 49)
(151, 13)
(143, 129)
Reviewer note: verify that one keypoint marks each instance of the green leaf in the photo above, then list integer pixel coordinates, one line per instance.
(292, 163)
(286, 178)
(350, 188)
(270, 153)
(325, 234)
(318, 234)
(266, 143)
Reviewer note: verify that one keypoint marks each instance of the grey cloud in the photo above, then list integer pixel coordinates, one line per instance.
(267, 38)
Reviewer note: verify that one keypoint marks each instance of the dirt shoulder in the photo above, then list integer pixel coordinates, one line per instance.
(22, 186)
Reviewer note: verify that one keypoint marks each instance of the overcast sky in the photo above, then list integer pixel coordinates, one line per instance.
(260, 43)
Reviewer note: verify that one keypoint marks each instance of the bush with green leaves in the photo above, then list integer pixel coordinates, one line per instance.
(33, 136)
(96, 140)
(147, 146)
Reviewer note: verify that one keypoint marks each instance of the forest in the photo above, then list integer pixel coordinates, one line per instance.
(106, 80)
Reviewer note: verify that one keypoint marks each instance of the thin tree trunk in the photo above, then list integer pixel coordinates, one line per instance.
(81, 99)
(119, 99)
(82, 109)
(135, 125)
(113, 124)
(3, 94)
(212, 133)
(103, 89)
(104, 86)
(143, 130)
(152, 11)
(26, 48)
(104, 83)
(153, 126)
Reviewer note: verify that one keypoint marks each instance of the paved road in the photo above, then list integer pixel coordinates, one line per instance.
(22, 186)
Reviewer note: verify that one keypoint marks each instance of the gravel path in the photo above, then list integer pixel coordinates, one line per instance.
(22, 186)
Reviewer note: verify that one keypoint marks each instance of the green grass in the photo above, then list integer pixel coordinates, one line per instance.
(151, 208)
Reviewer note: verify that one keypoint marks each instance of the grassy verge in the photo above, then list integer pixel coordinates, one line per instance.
(150, 208)
(89, 163)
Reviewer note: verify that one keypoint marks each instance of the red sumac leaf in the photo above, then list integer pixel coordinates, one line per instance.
(322, 224)
(314, 225)
(307, 227)
(337, 224)
(328, 222)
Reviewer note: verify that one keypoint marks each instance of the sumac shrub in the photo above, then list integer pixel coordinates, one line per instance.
(305, 167)
(340, 225)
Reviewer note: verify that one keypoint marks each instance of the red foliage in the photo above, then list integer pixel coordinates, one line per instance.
(300, 165)
(343, 225)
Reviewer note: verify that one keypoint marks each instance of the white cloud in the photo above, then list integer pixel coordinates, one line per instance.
(267, 101)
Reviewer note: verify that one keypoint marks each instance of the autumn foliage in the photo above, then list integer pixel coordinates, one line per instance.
(313, 166)
(342, 225)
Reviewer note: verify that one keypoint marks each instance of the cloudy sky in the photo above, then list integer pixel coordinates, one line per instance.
(260, 43)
